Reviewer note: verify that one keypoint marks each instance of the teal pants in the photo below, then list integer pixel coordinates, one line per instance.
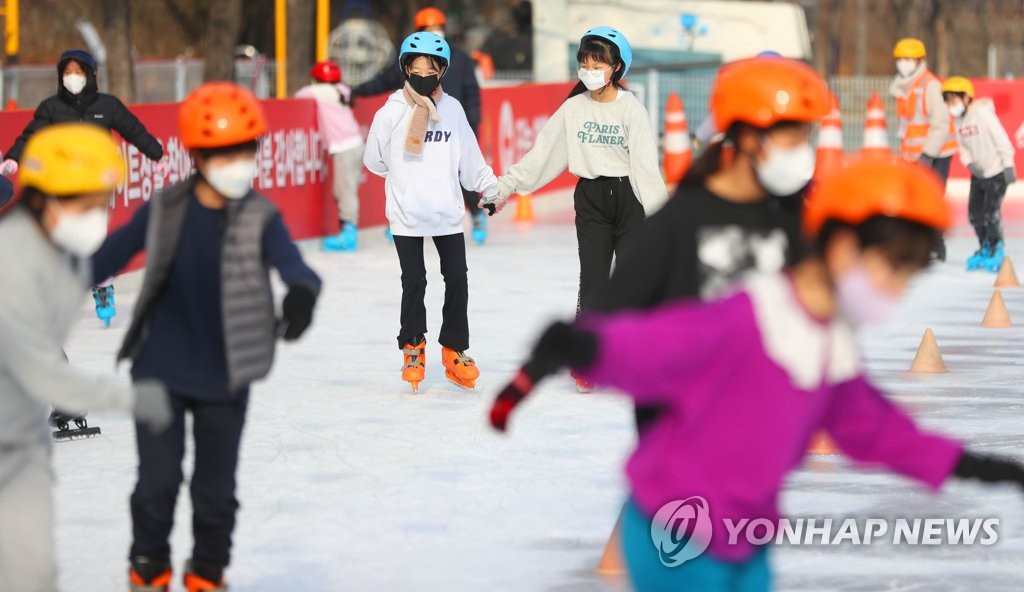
(702, 574)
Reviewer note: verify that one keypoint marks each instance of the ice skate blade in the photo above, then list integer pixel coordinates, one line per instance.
(77, 434)
(463, 384)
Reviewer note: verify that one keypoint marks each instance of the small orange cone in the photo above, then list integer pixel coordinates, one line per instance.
(876, 139)
(830, 154)
(996, 315)
(11, 105)
(524, 209)
(612, 563)
(822, 444)
(1007, 277)
(928, 358)
(678, 155)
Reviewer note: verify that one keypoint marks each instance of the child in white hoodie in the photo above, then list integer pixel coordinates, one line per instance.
(986, 151)
(423, 146)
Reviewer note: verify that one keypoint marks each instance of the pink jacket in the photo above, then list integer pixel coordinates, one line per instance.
(338, 126)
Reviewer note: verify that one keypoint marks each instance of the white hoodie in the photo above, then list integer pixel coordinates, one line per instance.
(424, 196)
(983, 141)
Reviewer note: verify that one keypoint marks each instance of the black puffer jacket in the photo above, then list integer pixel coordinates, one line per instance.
(89, 106)
(459, 82)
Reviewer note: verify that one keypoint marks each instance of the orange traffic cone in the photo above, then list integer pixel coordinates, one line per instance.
(876, 139)
(678, 155)
(524, 209)
(996, 315)
(1007, 277)
(830, 142)
(612, 563)
(822, 444)
(11, 105)
(928, 358)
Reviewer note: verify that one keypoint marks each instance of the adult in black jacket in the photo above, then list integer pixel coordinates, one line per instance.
(83, 104)
(78, 100)
(459, 83)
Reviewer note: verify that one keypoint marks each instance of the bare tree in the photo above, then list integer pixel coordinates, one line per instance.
(115, 22)
(222, 26)
(301, 37)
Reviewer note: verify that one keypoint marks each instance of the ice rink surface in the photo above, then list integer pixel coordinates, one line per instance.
(349, 482)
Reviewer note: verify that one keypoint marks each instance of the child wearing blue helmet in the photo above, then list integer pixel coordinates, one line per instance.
(422, 144)
(602, 133)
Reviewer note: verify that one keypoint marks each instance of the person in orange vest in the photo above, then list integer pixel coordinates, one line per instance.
(926, 128)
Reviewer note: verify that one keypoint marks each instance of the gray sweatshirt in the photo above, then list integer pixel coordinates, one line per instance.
(594, 140)
(42, 299)
(983, 141)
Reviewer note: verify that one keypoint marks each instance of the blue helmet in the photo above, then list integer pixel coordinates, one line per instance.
(428, 44)
(617, 38)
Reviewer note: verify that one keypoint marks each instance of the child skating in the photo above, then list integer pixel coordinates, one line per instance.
(732, 437)
(602, 133)
(423, 146)
(68, 175)
(339, 129)
(986, 151)
(204, 324)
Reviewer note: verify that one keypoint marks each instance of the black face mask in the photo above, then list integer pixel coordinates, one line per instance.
(423, 85)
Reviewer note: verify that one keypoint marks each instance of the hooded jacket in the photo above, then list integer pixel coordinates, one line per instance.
(983, 141)
(89, 106)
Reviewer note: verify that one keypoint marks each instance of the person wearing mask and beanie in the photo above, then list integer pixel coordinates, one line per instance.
(46, 237)
(926, 130)
(423, 146)
(987, 152)
(460, 84)
(340, 130)
(204, 324)
(78, 100)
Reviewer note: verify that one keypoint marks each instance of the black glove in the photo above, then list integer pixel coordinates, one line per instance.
(989, 469)
(926, 160)
(1009, 175)
(561, 345)
(976, 171)
(296, 312)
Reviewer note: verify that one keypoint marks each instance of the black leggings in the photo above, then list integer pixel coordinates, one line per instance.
(607, 212)
(455, 318)
(983, 208)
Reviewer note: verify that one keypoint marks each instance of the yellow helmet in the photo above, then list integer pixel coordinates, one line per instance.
(909, 48)
(71, 159)
(958, 84)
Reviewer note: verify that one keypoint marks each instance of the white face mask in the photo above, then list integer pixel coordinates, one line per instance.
(786, 170)
(234, 180)
(74, 83)
(957, 109)
(906, 67)
(439, 34)
(80, 233)
(592, 79)
(860, 301)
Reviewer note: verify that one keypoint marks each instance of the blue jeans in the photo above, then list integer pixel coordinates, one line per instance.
(702, 574)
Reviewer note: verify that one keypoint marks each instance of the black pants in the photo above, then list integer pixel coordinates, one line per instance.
(472, 199)
(455, 317)
(607, 212)
(983, 208)
(217, 430)
(941, 167)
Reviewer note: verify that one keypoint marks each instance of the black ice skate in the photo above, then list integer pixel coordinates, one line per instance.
(65, 432)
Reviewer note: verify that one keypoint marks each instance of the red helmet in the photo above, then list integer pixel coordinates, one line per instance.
(325, 72)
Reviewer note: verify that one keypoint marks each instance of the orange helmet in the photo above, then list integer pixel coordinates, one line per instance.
(429, 17)
(877, 186)
(220, 114)
(763, 92)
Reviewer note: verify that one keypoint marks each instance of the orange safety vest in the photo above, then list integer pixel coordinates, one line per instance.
(915, 122)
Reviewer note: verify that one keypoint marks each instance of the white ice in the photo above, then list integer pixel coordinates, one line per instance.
(349, 482)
